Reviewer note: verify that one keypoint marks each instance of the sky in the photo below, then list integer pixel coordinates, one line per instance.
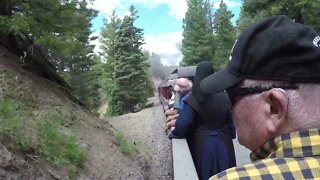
(161, 21)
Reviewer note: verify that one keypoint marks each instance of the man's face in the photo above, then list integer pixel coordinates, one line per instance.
(259, 112)
(248, 117)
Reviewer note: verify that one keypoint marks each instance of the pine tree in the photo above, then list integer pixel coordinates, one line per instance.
(130, 67)
(79, 61)
(108, 39)
(197, 43)
(59, 26)
(63, 28)
(149, 86)
(209, 13)
(305, 11)
(225, 35)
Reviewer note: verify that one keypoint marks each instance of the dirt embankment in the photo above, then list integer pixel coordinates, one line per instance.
(26, 153)
(147, 129)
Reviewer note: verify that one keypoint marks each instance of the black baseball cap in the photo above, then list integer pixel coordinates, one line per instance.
(275, 48)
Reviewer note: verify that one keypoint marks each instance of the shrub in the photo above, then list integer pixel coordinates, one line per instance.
(56, 147)
(126, 146)
(11, 123)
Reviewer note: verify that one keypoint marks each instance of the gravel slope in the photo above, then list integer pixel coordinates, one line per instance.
(147, 127)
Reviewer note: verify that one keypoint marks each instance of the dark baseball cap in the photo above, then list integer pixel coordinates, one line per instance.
(275, 48)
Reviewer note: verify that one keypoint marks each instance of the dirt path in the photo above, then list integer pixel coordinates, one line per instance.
(146, 128)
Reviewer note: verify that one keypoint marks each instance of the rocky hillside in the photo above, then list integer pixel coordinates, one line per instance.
(45, 135)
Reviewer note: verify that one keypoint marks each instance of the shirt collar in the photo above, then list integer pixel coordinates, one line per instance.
(295, 144)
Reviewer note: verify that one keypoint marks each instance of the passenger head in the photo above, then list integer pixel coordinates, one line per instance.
(272, 80)
(182, 85)
(203, 70)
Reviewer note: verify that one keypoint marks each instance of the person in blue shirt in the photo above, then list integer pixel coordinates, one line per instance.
(206, 123)
(182, 87)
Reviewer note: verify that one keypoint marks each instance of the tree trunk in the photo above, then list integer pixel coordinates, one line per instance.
(6, 7)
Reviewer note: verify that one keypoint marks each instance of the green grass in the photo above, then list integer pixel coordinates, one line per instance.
(56, 116)
(11, 123)
(143, 150)
(10, 120)
(56, 147)
(130, 148)
(126, 146)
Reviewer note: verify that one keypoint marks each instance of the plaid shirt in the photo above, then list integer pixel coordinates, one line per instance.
(295, 155)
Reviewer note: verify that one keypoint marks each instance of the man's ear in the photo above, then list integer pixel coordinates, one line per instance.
(276, 109)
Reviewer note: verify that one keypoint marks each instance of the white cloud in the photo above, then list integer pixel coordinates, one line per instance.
(177, 8)
(166, 45)
(126, 13)
(106, 6)
(96, 42)
(229, 3)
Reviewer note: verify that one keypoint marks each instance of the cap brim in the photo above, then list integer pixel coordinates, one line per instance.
(219, 81)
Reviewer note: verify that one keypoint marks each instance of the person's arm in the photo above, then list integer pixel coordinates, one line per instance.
(184, 123)
(172, 117)
(176, 100)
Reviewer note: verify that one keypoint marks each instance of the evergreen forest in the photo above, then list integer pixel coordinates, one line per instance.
(53, 38)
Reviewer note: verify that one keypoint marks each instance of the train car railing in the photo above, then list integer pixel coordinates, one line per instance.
(183, 166)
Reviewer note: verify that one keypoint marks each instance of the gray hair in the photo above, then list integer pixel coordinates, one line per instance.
(304, 102)
(185, 88)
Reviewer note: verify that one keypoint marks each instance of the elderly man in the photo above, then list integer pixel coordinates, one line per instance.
(182, 87)
(273, 82)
